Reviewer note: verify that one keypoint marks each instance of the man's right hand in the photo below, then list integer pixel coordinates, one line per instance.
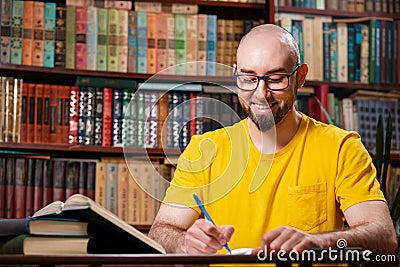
(203, 237)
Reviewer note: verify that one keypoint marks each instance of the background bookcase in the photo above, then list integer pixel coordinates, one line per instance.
(22, 162)
(271, 11)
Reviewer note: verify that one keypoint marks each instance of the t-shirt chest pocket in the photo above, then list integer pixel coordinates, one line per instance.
(307, 206)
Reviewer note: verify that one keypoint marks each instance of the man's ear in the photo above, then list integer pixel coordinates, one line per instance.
(301, 74)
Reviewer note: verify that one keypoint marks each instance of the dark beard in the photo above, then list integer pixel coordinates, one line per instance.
(266, 122)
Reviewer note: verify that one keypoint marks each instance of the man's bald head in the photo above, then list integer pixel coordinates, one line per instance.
(267, 34)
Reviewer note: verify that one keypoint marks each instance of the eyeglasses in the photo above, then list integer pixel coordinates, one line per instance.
(274, 81)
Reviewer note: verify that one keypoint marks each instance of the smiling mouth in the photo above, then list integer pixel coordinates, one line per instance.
(262, 107)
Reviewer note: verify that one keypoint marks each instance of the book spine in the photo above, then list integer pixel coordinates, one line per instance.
(378, 52)
(59, 180)
(46, 114)
(372, 50)
(326, 49)
(389, 53)
(211, 44)
(24, 113)
(161, 33)
(5, 34)
(80, 37)
(202, 44)
(100, 184)
(2, 186)
(151, 124)
(38, 124)
(171, 44)
(70, 37)
(98, 117)
(89, 114)
(112, 187)
(220, 46)
(357, 52)
(383, 52)
(191, 44)
(30, 166)
(20, 188)
(60, 32)
(177, 118)
(27, 33)
(102, 39)
(49, 34)
(9, 188)
(60, 109)
(229, 49)
(151, 42)
(107, 116)
(117, 117)
(140, 107)
(350, 52)
(91, 38)
(333, 54)
(38, 185)
(127, 123)
(17, 111)
(16, 32)
(199, 114)
(113, 40)
(122, 34)
(123, 186)
(162, 117)
(83, 96)
(342, 52)
(142, 42)
(38, 36)
(119, 4)
(185, 132)
(82, 178)
(47, 182)
(364, 54)
(133, 196)
(31, 112)
(73, 115)
(132, 41)
(65, 114)
(91, 180)
(71, 178)
(193, 117)
(180, 43)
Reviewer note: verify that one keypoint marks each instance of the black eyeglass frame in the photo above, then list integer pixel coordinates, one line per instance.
(264, 77)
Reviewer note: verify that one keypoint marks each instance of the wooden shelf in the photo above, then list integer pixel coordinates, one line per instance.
(355, 86)
(79, 149)
(68, 76)
(334, 13)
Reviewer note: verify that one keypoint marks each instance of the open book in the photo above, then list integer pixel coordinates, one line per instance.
(109, 233)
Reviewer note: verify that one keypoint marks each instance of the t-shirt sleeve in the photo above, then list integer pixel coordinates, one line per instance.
(190, 174)
(356, 178)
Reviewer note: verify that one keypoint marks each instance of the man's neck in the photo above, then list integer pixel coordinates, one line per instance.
(276, 138)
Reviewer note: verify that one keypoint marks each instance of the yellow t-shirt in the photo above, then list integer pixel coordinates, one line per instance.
(307, 184)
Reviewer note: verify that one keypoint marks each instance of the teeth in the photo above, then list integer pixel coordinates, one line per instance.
(258, 106)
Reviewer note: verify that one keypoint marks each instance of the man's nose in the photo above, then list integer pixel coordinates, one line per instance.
(262, 91)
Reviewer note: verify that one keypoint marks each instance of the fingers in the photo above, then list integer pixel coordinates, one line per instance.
(288, 239)
(205, 237)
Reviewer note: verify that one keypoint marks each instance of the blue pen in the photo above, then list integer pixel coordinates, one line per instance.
(201, 206)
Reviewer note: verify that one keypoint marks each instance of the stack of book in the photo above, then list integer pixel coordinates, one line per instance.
(77, 226)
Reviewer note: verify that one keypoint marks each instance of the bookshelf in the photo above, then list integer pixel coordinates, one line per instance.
(45, 157)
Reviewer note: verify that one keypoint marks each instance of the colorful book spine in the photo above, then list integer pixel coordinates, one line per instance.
(350, 52)
(151, 123)
(24, 113)
(127, 122)
(357, 52)
(140, 118)
(112, 187)
(364, 53)
(132, 41)
(27, 33)
(46, 114)
(73, 115)
(5, 34)
(342, 52)
(38, 124)
(59, 49)
(151, 42)
(229, 49)
(91, 38)
(372, 50)
(326, 46)
(38, 42)
(122, 40)
(191, 44)
(211, 44)
(70, 38)
(98, 117)
(333, 56)
(142, 42)
(202, 44)
(113, 40)
(107, 117)
(80, 33)
(83, 95)
(177, 118)
(53, 114)
(161, 52)
(102, 39)
(49, 34)
(389, 52)
(16, 32)
(378, 52)
(171, 44)
(180, 43)
(31, 112)
(220, 46)
(117, 117)
(89, 114)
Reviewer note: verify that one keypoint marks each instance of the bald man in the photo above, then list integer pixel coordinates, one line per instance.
(277, 179)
